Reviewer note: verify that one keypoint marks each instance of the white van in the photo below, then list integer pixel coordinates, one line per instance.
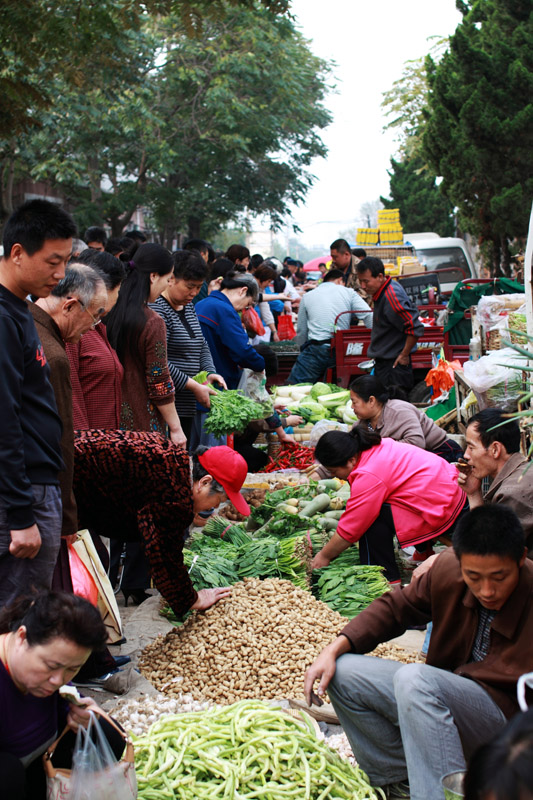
(448, 255)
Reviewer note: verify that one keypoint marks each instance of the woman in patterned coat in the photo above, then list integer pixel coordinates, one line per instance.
(143, 487)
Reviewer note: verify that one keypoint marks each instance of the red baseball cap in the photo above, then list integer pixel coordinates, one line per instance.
(229, 469)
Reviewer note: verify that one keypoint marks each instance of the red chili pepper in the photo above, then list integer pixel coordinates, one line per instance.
(291, 455)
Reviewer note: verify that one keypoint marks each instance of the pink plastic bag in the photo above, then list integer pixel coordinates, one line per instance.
(82, 581)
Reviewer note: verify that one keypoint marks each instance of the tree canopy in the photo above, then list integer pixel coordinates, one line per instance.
(413, 189)
(479, 130)
(196, 130)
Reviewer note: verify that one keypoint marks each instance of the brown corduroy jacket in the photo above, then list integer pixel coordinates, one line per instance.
(54, 350)
(442, 595)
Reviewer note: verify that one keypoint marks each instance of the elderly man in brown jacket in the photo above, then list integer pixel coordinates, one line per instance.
(75, 305)
(494, 452)
(423, 721)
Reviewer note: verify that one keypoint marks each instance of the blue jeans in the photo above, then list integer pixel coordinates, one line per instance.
(411, 720)
(311, 364)
(21, 575)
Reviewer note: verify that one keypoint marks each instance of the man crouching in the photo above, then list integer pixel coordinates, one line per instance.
(422, 721)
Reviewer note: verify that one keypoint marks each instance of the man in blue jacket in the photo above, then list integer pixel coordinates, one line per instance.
(37, 245)
(396, 326)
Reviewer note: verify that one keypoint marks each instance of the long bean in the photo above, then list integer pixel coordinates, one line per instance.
(242, 752)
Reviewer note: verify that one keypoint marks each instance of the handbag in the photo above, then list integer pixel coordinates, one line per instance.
(100, 775)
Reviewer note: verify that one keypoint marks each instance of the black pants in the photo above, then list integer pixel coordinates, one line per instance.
(449, 451)
(19, 783)
(376, 546)
(399, 375)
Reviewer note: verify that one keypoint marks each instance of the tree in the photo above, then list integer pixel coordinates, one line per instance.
(413, 190)
(211, 128)
(479, 131)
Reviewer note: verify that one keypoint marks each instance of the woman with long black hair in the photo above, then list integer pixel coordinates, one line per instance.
(138, 335)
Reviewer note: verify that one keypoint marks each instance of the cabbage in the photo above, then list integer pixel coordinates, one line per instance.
(318, 389)
(317, 411)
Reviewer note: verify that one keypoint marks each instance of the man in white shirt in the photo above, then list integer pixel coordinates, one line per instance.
(316, 324)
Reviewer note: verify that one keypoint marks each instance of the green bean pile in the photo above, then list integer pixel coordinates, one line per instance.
(241, 752)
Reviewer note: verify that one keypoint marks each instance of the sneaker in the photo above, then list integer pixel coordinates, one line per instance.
(397, 791)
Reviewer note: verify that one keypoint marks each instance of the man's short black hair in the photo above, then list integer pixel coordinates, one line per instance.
(341, 246)
(373, 265)
(332, 275)
(137, 236)
(35, 222)
(508, 435)
(200, 245)
(96, 234)
(490, 530)
(359, 252)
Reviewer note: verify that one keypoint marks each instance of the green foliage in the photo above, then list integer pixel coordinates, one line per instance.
(195, 129)
(423, 206)
(479, 131)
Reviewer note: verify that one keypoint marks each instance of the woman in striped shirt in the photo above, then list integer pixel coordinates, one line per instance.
(187, 351)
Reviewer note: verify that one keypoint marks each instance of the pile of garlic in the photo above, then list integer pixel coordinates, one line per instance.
(136, 716)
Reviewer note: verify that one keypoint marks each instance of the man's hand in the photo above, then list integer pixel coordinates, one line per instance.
(402, 359)
(25, 542)
(468, 483)
(275, 336)
(424, 567)
(208, 597)
(323, 669)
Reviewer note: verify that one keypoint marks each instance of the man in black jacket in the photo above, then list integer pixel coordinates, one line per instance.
(37, 245)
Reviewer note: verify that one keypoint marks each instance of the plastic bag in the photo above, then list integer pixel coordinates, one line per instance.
(493, 312)
(322, 427)
(82, 581)
(285, 327)
(442, 377)
(495, 383)
(96, 773)
(252, 322)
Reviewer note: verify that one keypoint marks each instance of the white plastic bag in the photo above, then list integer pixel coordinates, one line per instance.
(96, 773)
(323, 426)
(495, 383)
(493, 312)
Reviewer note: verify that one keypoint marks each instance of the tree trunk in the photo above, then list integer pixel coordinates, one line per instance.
(194, 227)
(496, 271)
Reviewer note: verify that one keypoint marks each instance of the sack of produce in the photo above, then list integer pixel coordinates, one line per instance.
(323, 427)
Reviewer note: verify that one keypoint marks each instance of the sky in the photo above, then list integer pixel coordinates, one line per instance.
(370, 42)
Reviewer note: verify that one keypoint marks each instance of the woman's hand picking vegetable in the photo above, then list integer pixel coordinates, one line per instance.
(80, 715)
(285, 437)
(178, 437)
(323, 669)
(208, 597)
(215, 378)
(320, 561)
(294, 419)
(201, 391)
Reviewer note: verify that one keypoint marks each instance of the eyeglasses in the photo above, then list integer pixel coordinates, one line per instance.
(96, 320)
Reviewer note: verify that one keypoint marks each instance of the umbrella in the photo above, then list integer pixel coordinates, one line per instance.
(312, 265)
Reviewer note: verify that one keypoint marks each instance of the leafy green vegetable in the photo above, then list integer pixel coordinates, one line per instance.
(318, 389)
(201, 377)
(230, 412)
(347, 587)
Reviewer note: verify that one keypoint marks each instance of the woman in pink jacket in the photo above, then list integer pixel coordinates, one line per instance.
(396, 489)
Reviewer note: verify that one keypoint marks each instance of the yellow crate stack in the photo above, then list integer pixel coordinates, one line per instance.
(388, 216)
(409, 265)
(391, 270)
(367, 236)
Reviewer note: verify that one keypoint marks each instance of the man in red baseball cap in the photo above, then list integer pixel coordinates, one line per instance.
(229, 469)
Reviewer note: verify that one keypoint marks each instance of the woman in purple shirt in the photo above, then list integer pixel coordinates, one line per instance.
(44, 640)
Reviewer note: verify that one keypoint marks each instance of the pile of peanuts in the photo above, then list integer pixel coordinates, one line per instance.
(254, 644)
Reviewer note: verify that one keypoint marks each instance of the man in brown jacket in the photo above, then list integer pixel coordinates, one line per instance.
(423, 721)
(75, 305)
(494, 452)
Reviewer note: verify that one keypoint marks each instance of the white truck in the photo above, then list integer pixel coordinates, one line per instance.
(449, 256)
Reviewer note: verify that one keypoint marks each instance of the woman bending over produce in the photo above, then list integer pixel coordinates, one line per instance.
(396, 489)
(149, 489)
(44, 640)
(397, 419)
